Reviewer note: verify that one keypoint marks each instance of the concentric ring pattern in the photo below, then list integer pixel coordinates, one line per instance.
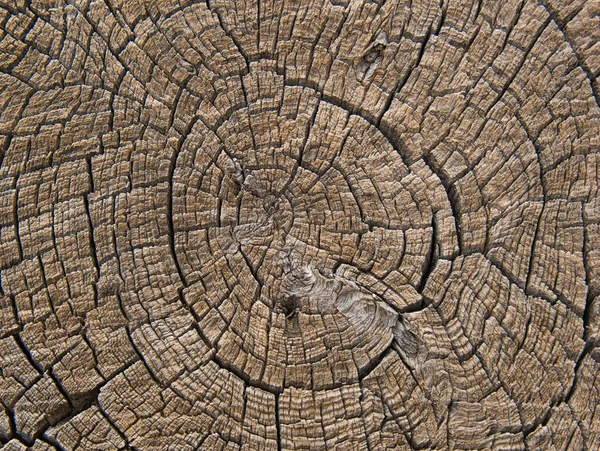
(341, 225)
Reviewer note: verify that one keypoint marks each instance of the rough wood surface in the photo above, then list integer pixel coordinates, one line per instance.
(299, 225)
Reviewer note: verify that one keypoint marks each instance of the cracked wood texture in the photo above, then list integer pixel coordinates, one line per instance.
(299, 225)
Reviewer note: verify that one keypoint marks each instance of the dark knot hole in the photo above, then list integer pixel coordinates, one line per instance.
(290, 306)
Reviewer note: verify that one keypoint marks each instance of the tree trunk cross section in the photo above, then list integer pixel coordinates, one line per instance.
(299, 225)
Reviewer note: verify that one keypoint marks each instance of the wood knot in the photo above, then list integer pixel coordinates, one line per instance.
(189, 68)
(371, 59)
(289, 306)
(271, 204)
(374, 53)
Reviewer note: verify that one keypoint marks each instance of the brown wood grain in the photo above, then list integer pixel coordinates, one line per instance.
(299, 225)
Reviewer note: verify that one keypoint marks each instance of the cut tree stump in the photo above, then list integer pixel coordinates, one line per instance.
(299, 225)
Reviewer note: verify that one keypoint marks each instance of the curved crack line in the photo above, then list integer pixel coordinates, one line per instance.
(343, 106)
(580, 61)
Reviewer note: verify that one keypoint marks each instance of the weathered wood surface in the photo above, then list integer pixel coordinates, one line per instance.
(328, 225)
